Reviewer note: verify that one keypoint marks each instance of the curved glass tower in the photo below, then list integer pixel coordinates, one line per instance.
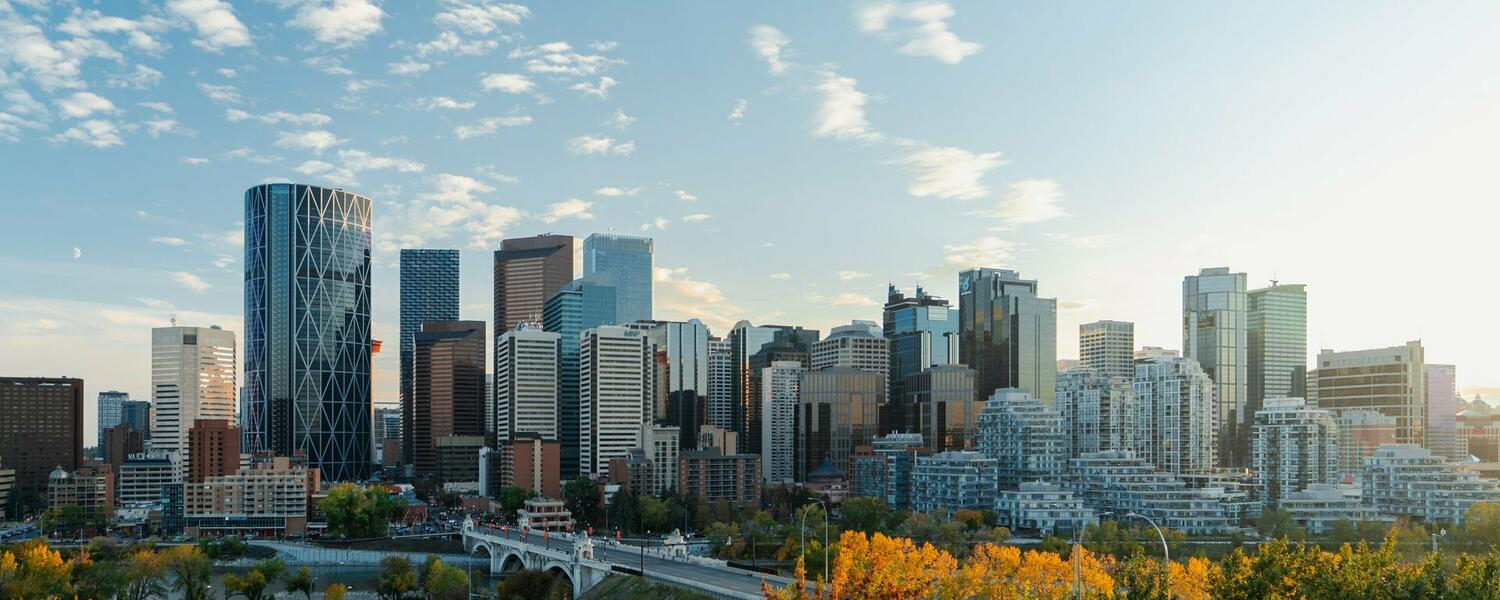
(307, 326)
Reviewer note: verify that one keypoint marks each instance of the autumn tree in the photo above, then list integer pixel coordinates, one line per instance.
(359, 512)
(1482, 525)
(301, 581)
(335, 591)
(397, 578)
(32, 570)
(446, 582)
(192, 572)
(144, 573)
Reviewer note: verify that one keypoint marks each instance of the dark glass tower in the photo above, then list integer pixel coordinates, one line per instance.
(923, 331)
(307, 326)
(429, 294)
(1007, 334)
(579, 306)
(1215, 333)
(622, 261)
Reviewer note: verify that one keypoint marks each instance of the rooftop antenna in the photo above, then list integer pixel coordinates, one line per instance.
(174, 320)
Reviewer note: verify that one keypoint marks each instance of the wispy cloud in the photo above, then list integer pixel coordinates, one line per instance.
(852, 275)
(738, 113)
(488, 126)
(610, 191)
(987, 251)
(841, 114)
(921, 26)
(572, 208)
(169, 241)
(588, 144)
(947, 172)
(190, 281)
(770, 45)
(1029, 201)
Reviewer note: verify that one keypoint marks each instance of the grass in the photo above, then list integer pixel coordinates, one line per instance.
(623, 587)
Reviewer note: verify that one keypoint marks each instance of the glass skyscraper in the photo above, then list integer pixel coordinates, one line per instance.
(579, 306)
(1277, 344)
(429, 293)
(307, 326)
(1215, 333)
(682, 386)
(622, 261)
(923, 331)
(1008, 334)
(110, 405)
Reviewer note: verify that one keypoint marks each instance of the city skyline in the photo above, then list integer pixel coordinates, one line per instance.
(1025, 183)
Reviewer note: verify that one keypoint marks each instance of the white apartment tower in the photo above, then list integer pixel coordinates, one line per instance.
(780, 395)
(1292, 446)
(1098, 411)
(192, 377)
(615, 381)
(527, 363)
(1107, 347)
(1176, 416)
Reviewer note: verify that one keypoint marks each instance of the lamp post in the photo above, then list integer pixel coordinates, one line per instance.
(1077, 558)
(1165, 553)
(469, 570)
(1439, 533)
(825, 535)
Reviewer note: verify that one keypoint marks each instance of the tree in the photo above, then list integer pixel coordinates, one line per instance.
(1145, 578)
(301, 581)
(397, 579)
(335, 591)
(623, 512)
(445, 582)
(513, 498)
(1277, 523)
(355, 512)
(864, 514)
(581, 496)
(526, 584)
(144, 570)
(1482, 524)
(104, 578)
(1343, 532)
(251, 585)
(655, 516)
(33, 570)
(884, 567)
(1190, 579)
(191, 570)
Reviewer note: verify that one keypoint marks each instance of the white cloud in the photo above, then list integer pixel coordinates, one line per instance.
(770, 44)
(328, 64)
(156, 127)
(169, 241)
(598, 90)
(588, 144)
(604, 46)
(488, 126)
(852, 275)
(407, 67)
(223, 261)
(841, 114)
(572, 208)
(228, 73)
(355, 86)
(659, 223)
(352, 163)
(77, 253)
(684, 196)
(255, 156)
(98, 133)
(680, 297)
(82, 105)
(161, 107)
(697, 218)
(493, 173)
(1029, 201)
(739, 110)
(138, 34)
(510, 83)
(316, 140)
(21, 103)
(987, 251)
(339, 23)
(214, 21)
(142, 77)
(448, 42)
(558, 58)
(923, 26)
(223, 94)
(310, 119)
(480, 18)
(196, 161)
(443, 103)
(781, 276)
(620, 120)
(947, 172)
(451, 205)
(610, 191)
(190, 281)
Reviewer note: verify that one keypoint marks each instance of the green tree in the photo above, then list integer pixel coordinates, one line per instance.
(192, 572)
(445, 582)
(102, 578)
(397, 578)
(655, 516)
(622, 513)
(513, 498)
(1146, 579)
(864, 514)
(1277, 523)
(1482, 525)
(1343, 532)
(251, 585)
(526, 584)
(581, 497)
(355, 512)
(144, 573)
(301, 581)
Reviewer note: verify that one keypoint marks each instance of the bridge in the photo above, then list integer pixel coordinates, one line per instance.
(584, 562)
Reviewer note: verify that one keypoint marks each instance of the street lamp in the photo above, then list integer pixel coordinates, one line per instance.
(1165, 554)
(825, 536)
(1077, 558)
(1435, 536)
(469, 570)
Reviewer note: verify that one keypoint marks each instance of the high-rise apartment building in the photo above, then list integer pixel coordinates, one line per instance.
(1214, 333)
(447, 389)
(1292, 446)
(1175, 416)
(581, 305)
(1150, 352)
(111, 405)
(528, 364)
(1007, 333)
(753, 348)
(42, 429)
(307, 326)
(840, 409)
(192, 377)
(1391, 381)
(1441, 436)
(780, 390)
(1098, 411)
(941, 406)
(429, 293)
(1023, 436)
(616, 368)
(213, 449)
(624, 262)
(952, 481)
(1276, 343)
(528, 271)
(923, 332)
(721, 406)
(1107, 347)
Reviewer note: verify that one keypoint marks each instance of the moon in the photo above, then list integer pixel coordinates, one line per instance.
(77, 253)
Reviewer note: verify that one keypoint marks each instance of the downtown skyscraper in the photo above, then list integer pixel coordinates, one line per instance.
(624, 262)
(429, 293)
(307, 326)
(193, 376)
(1107, 347)
(111, 405)
(1214, 333)
(1276, 343)
(447, 393)
(527, 272)
(923, 331)
(1008, 334)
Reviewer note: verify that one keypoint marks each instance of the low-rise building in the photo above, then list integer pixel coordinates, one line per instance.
(1042, 507)
(953, 480)
(90, 489)
(1321, 505)
(1118, 482)
(1409, 480)
(712, 476)
(142, 477)
(883, 469)
(545, 514)
(271, 498)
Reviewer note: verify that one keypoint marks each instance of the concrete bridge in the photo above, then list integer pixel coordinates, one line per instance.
(585, 561)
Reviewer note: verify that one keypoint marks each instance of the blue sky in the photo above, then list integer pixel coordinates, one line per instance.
(790, 158)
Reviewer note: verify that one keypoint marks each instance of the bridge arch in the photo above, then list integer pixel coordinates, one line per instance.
(512, 561)
(563, 576)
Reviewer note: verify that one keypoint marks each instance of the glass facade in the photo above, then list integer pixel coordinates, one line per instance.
(307, 326)
(1214, 333)
(1277, 343)
(753, 348)
(623, 261)
(682, 352)
(923, 331)
(579, 306)
(1008, 334)
(429, 293)
(111, 404)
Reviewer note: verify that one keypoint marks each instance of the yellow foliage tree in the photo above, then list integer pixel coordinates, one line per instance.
(1190, 580)
(880, 567)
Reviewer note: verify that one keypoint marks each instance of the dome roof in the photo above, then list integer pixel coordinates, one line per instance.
(58, 474)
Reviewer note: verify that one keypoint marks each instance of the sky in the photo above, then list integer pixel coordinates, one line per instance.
(789, 158)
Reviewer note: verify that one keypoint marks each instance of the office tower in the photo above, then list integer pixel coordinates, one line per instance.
(120, 442)
(1361, 433)
(192, 377)
(387, 425)
(447, 389)
(458, 458)
(859, 345)
(1098, 411)
(1292, 446)
(622, 261)
(753, 348)
(780, 395)
(527, 363)
(213, 449)
(1023, 436)
(111, 404)
(42, 429)
(1441, 436)
(1150, 352)
(579, 306)
(307, 326)
(137, 414)
(682, 379)
(1007, 334)
(1214, 334)
(1176, 421)
(839, 410)
(941, 405)
(923, 332)
(1277, 343)
(1345, 383)
(614, 392)
(429, 293)
(720, 385)
(489, 403)
(527, 272)
(1107, 347)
